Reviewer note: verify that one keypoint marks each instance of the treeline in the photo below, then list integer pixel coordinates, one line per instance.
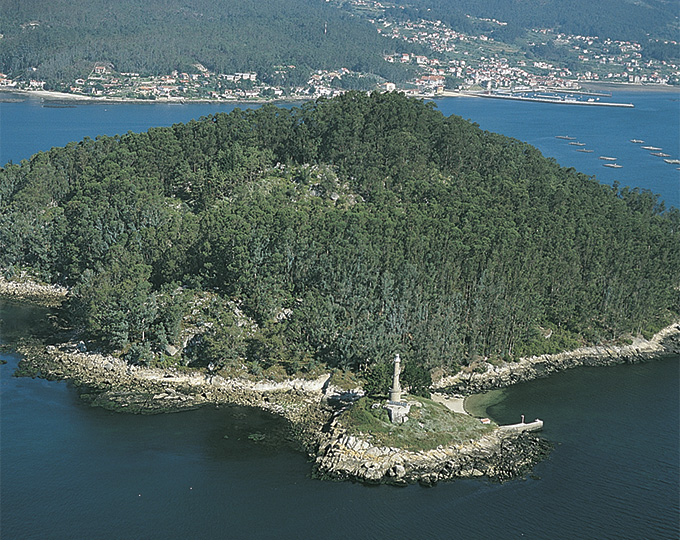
(59, 41)
(337, 234)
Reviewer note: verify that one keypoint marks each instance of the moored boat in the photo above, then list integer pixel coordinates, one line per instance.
(607, 158)
(613, 165)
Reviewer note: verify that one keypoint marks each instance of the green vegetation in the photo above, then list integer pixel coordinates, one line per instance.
(333, 236)
(615, 19)
(61, 40)
(430, 425)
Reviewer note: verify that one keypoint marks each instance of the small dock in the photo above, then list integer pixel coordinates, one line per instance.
(522, 427)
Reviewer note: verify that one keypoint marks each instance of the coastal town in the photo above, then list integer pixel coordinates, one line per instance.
(456, 62)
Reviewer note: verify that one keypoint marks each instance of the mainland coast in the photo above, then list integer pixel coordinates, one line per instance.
(13, 94)
(313, 408)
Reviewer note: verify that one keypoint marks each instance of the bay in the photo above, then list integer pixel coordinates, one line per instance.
(607, 131)
(71, 471)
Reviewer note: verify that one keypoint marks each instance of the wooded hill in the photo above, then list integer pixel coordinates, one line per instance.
(336, 234)
(59, 41)
(615, 19)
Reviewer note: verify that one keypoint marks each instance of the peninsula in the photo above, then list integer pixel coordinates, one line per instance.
(281, 258)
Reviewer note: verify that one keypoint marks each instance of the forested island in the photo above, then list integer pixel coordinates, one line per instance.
(276, 244)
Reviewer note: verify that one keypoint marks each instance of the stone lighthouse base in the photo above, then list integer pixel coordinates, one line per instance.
(398, 411)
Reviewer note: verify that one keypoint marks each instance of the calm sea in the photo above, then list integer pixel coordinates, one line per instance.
(68, 471)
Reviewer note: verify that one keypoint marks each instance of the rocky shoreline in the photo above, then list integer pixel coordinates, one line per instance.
(32, 292)
(664, 343)
(311, 408)
(109, 382)
(499, 456)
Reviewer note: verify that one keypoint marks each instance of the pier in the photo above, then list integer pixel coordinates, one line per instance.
(556, 100)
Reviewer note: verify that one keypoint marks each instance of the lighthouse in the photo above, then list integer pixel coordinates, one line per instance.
(395, 392)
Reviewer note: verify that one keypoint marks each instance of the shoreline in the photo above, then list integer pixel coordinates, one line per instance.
(48, 95)
(664, 343)
(311, 407)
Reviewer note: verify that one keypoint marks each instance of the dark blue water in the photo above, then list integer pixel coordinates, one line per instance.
(30, 125)
(71, 471)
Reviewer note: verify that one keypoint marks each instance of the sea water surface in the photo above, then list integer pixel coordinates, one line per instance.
(70, 471)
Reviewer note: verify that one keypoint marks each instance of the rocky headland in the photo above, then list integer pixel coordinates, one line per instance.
(499, 456)
(313, 408)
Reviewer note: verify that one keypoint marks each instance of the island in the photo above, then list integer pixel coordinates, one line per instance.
(286, 258)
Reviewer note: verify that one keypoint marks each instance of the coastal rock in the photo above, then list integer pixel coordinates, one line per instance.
(110, 382)
(23, 288)
(664, 343)
(499, 456)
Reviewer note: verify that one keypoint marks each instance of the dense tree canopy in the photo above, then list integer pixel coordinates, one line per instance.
(337, 233)
(62, 39)
(616, 19)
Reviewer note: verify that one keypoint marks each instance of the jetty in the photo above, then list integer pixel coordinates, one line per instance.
(557, 100)
(522, 427)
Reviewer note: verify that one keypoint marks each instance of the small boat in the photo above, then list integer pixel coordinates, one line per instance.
(651, 148)
(636, 141)
(584, 150)
(613, 165)
(673, 161)
(607, 158)
(660, 154)
(565, 137)
(577, 143)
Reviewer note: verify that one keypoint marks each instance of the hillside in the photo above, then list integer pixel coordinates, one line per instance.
(61, 40)
(334, 235)
(615, 19)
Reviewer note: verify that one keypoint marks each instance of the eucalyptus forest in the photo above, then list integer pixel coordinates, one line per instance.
(333, 235)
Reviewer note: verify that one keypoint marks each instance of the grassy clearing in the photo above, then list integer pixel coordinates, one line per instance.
(430, 425)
